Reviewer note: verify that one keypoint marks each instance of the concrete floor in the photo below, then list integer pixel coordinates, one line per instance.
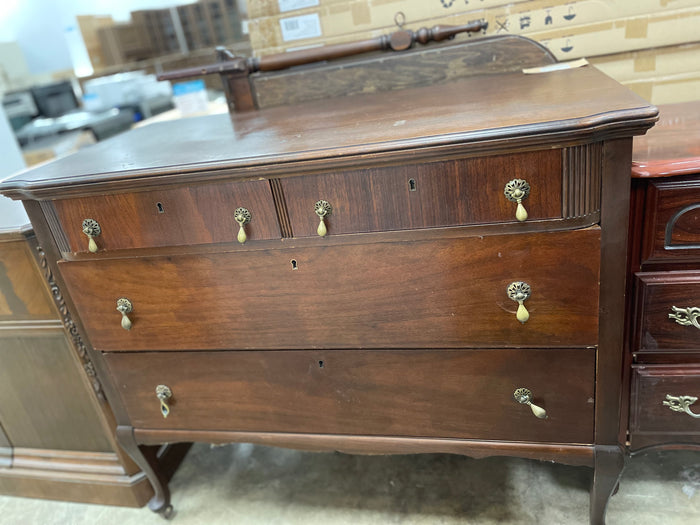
(245, 485)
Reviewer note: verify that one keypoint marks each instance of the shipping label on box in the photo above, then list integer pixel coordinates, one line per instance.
(300, 27)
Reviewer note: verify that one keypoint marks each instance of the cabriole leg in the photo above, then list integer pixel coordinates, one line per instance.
(609, 463)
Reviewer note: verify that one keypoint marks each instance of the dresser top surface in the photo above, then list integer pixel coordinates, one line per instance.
(501, 111)
(672, 147)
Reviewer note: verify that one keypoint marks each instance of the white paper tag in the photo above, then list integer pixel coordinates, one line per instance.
(291, 5)
(299, 27)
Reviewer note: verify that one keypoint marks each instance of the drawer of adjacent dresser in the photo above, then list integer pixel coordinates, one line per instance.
(449, 193)
(446, 293)
(672, 226)
(199, 214)
(664, 406)
(668, 311)
(431, 393)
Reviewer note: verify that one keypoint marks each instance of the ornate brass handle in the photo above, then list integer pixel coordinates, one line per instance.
(686, 316)
(515, 191)
(163, 393)
(322, 209)
(524, 396)
(681, 404)
(242, 217)
(92, 229)
(125, 307)
(519, 292)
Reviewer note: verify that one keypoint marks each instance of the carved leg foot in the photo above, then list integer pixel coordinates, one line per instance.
(147, 461)
(609, 463)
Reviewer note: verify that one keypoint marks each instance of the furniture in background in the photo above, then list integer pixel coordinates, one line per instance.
(56, 431)
(664, 283)
(432, 269)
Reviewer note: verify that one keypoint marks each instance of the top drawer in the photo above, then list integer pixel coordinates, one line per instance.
(197, 214)
(430, 195)
(672, 223)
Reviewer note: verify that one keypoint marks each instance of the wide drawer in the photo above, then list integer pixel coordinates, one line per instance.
(428, 393)
(442, 293)
(449, 193)
(664, 406)
(198, 214)
(672, 227)
(668, 311)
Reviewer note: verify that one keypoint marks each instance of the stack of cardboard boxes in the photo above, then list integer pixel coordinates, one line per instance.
(653, 46)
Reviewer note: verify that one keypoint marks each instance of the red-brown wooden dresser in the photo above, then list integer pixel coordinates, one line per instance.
(664, 284)
(436, 269)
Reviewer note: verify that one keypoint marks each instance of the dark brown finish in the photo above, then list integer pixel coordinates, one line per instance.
(55, 439)
(657, 292)
(195, 215)
(389, 72)
(454, 290)
(672, 226)
(403, 197)
(364, 392)
(576, 455)
(609, 463)
(650, 421)
(386, 296)
(512, 111)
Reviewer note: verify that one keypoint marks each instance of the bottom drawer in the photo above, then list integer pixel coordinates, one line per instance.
(660, 396)
(433, 393)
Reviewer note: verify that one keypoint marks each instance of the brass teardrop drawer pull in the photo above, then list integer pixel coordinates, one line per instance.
(686, 316)
(92, 229)
(681, 404)
(524, 396)
(242, 217)
(323, 209)
(125, 307)
(163, 393)
(519, 292)
(516, 191)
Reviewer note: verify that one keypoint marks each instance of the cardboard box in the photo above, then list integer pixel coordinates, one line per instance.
(89, 26)
(662, 62)
(355, 20)
(668, 90)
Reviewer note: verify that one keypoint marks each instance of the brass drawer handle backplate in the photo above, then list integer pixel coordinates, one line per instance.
(519, 292)
(92, 229)
(686, 316)
(125, 307)
(681, 404)
(163, 393)
(524, 396)
(515, 191)
(242, 216)
(322, 209)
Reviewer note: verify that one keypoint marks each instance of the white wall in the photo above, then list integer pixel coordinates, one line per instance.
(39, 26)
(12, 214)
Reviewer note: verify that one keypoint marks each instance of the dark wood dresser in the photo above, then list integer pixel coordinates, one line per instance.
(664, 331)
(437, 269)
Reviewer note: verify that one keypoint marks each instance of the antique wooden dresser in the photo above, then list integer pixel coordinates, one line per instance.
(664, 283)
(436, 269)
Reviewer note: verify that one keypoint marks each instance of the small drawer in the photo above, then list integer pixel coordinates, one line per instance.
(672, 221)
(431, 393)
(446, 293)
(664, 405)
(449, 193)
(668, 312)
(199, 214)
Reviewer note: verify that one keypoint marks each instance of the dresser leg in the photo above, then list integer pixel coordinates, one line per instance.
(609, 463)
(146, 459)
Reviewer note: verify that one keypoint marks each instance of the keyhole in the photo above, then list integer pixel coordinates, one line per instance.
(320, 364)
(412, 184)
(160, 207)
(294, 264)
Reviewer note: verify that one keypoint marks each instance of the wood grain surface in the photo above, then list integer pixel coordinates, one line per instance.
(196, 214)
(436, 293)
(459, 192)
(385, 393)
